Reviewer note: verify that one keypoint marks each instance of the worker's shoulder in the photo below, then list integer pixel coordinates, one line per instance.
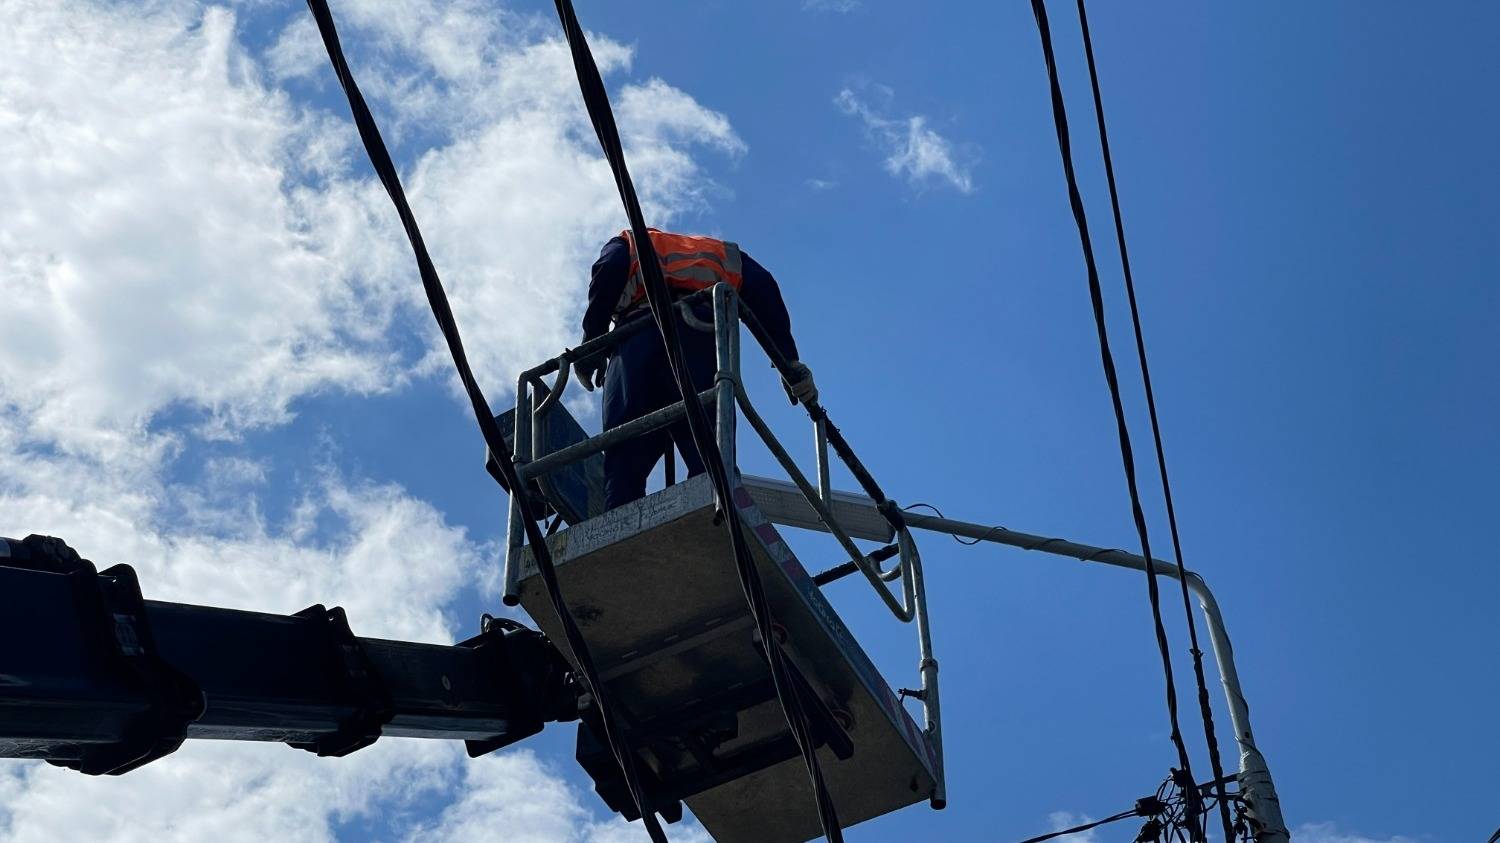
(615, 249)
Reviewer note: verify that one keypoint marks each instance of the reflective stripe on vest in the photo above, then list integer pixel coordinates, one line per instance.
(688, 262)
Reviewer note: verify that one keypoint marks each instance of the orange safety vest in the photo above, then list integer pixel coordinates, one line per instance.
(688, 262)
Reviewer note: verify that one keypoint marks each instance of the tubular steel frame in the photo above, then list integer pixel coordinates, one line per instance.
(1262, 802)
(726, 394)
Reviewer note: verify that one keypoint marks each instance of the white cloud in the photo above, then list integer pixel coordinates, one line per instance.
(1331, 833)
(840, 6)
(392, 560)
(1059, 820)
(297, 52)
(517, 210)
(913, 151)
(222, 791)
(190, 246)
(517, 202)
(516, 792)
(248, 793)
(154, 251)
(389, 559)
(182, 232)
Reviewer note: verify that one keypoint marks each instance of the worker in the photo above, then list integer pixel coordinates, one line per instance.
(637, 377)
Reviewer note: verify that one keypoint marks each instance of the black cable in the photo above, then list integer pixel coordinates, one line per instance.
(1167, 810)
(1161, 458)
(596, 99)
(1096, 296)
(960, 539)
(380, 159)
(1123, 815)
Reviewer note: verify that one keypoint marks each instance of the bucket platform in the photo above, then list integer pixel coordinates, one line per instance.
(654, 590)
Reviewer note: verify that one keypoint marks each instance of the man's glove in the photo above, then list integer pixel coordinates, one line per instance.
(591, 371)
(800, 387)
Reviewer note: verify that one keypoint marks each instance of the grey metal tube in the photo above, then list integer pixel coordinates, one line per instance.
(654, 420)
(607, 341)
(511, 595)
(515, 533)
(820, 445)
(1263, 805)
(726, 379)
(913, 606)
(927, 665)
(903, 612)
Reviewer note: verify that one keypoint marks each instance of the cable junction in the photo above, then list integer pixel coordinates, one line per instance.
(1168, 812)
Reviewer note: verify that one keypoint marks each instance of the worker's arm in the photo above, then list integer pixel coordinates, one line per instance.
(611, 271)
(606, 284)
(762, 295)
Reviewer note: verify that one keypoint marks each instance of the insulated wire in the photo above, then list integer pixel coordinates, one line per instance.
(380, 159)
(596, 99)
(1123, 815)
(960, 539)
(1096, 295)
(1161, 457)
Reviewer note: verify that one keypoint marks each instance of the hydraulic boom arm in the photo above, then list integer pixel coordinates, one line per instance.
(95, 678)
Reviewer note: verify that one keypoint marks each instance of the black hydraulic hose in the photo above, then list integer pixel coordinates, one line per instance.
(596, 99)
(1127, 457)
(1204, 705)
(380, 159)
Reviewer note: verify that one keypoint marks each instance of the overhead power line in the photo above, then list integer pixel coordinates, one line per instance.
(1079, 829)
(596, 99)
(437, 299)
(1204, 706)
(1111, 377)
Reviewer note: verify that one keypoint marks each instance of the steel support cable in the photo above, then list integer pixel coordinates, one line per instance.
(380, 159)
(1127, 457)
(1204, 705)
(596, 100)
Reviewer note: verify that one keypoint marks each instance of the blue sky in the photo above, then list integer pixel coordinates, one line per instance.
(1309, 194)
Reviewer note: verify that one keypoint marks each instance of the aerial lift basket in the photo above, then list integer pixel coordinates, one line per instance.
(653, 588)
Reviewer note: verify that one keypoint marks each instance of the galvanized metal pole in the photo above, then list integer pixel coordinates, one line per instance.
(927, 665)
(515, 533)
(727, 349)
(654, 420)
(820, 442)
(1262, 804)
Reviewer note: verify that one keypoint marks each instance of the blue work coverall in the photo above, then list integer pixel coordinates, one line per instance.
(639, 378)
